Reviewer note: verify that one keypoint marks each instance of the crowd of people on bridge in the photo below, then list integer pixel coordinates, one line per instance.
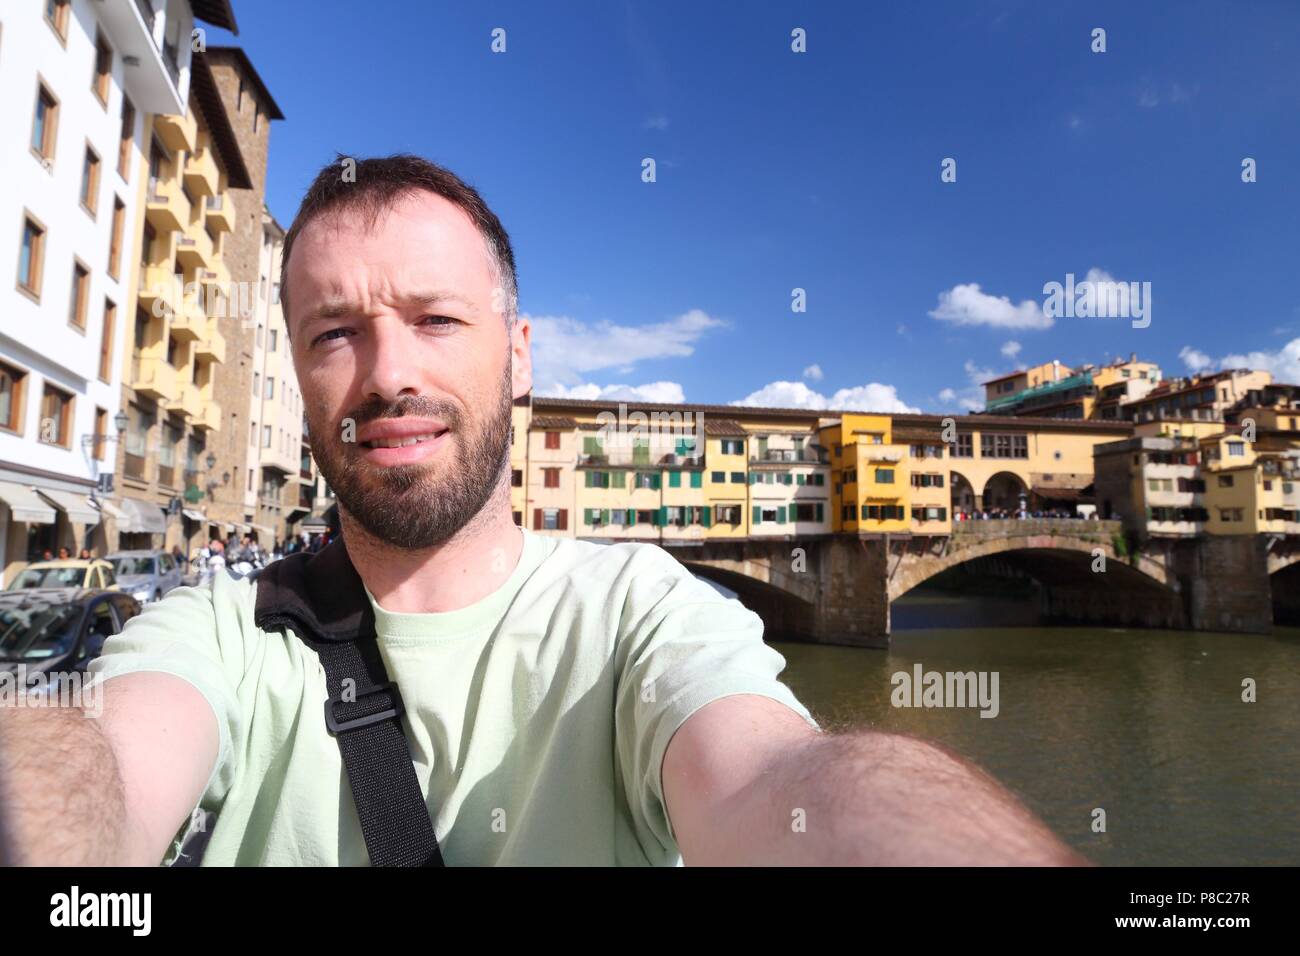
(1013, 514)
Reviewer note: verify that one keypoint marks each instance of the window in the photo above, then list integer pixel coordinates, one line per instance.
(1225, 481)
(80, 293)
(552, 439)
(1004, 446)
(103, 69)
(257, 382)
(965, 447)
(270, 388)
(645, 479)
(1236, 449)
(551, 477)
(31, 258)
(90, 182)
(737, 477)
(56, 15)
(516, 478)
(718, 477)
(101, 429)
(56, 417)
(674, 479)
(697, 479)
(884, 476)
(45, 125)
(266, 436)
(275, 335)
(11, 397)
(733, 446)
(106, 341)
(115, 239)
(126, 139)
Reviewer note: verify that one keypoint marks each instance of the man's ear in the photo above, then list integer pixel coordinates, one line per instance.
(521, 356)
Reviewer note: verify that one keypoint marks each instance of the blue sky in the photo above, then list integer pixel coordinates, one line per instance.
(778, 170)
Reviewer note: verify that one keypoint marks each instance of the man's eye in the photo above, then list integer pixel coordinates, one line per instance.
(326, 336)
(437, 320)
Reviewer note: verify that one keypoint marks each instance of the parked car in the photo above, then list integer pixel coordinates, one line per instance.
(94, 574)
(146, 575)
(56, 629)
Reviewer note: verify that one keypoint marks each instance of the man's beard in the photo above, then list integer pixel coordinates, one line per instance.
(405, 505)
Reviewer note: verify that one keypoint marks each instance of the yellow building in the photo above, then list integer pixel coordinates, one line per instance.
(869, 474)
(725, 476)
(183, 288)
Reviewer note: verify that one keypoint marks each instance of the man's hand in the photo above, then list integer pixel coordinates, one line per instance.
(748, 782)
(108, 790)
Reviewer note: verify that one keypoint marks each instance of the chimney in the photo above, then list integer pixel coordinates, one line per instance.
(1133, 357)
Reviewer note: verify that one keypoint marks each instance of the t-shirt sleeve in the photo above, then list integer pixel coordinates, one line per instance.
(184, 635)
(682, 645)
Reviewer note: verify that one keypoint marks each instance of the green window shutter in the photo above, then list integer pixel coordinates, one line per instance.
(819, 512)
(758, 514)
(604, 516)
(705, 516)
(586, 516)
(662, 518)
(674, 479)
(655, 481)
(631, 516)
(618, 479)
(697, 479)
(801, 478)
(780, 514)
(753, 477)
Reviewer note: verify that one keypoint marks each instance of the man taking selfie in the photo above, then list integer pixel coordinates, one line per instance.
(490, 695)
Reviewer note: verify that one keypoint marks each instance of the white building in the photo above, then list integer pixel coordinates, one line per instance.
(79, 77)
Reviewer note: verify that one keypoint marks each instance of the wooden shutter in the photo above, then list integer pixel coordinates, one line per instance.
(674, 479)
(604, 516)
(758, 514)
(563, 522)
(704, 516)
(537, 518)
(819, 512)
(780, 514)
(697, 479)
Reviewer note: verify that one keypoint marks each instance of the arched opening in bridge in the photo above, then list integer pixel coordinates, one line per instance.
(1036, 587)
(1285, 585)
(964, 501)
(1005, 492)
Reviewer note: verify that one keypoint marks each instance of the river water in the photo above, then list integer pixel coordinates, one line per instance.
(1149, 726)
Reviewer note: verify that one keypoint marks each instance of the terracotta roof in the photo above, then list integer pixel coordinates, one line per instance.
(724, 427)
(552, 421)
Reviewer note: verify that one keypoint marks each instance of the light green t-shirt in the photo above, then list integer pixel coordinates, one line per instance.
(537, 718)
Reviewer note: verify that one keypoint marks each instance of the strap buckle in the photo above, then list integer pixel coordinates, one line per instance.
(337, 726)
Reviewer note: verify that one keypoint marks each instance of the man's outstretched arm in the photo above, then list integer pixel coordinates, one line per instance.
(748, 782)
(109, 790)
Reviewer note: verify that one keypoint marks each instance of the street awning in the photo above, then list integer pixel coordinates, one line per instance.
(24, 504)
(143, 517)
(77, 507)
(111, 510)
(315, 524)
(193, 515)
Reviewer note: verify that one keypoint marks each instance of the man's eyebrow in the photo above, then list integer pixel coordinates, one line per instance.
(337, 308)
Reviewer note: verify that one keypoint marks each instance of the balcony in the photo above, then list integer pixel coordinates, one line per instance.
(194, 249)
(891, 453)
(160, 293)
(189, 401)
(202, 178)
(165, 207)
(211, 346)
(774, 456)
(177, 131)
(189, 323)
(208, 418)
(134, 28)
(154, 378)
(220, 211)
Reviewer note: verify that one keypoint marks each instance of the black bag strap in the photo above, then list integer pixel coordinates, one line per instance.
(321, 600)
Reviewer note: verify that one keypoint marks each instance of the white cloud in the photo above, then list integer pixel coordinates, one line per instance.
(813, 372)
(567, 350)
(970, 398)
(1194, 360)
(1011, 349)
(873, 397)
(947, 396)
(659, 122)
(1284, 363)
(968, 305)
(667, 392)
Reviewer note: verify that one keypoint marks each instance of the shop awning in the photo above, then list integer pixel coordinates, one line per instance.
(193, 515)
(77, 507)
(111, 510)
(142, 518)
(25, 504)
(315, 524)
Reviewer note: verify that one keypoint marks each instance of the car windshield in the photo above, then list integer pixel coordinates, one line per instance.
(48, 578)
(124, 566)
(37, 630)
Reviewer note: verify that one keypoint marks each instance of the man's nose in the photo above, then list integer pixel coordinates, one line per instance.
(391, 363)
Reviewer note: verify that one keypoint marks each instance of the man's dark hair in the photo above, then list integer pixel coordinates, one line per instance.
(374, 186)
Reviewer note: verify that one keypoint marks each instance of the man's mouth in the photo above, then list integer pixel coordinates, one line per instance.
(400, 442)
